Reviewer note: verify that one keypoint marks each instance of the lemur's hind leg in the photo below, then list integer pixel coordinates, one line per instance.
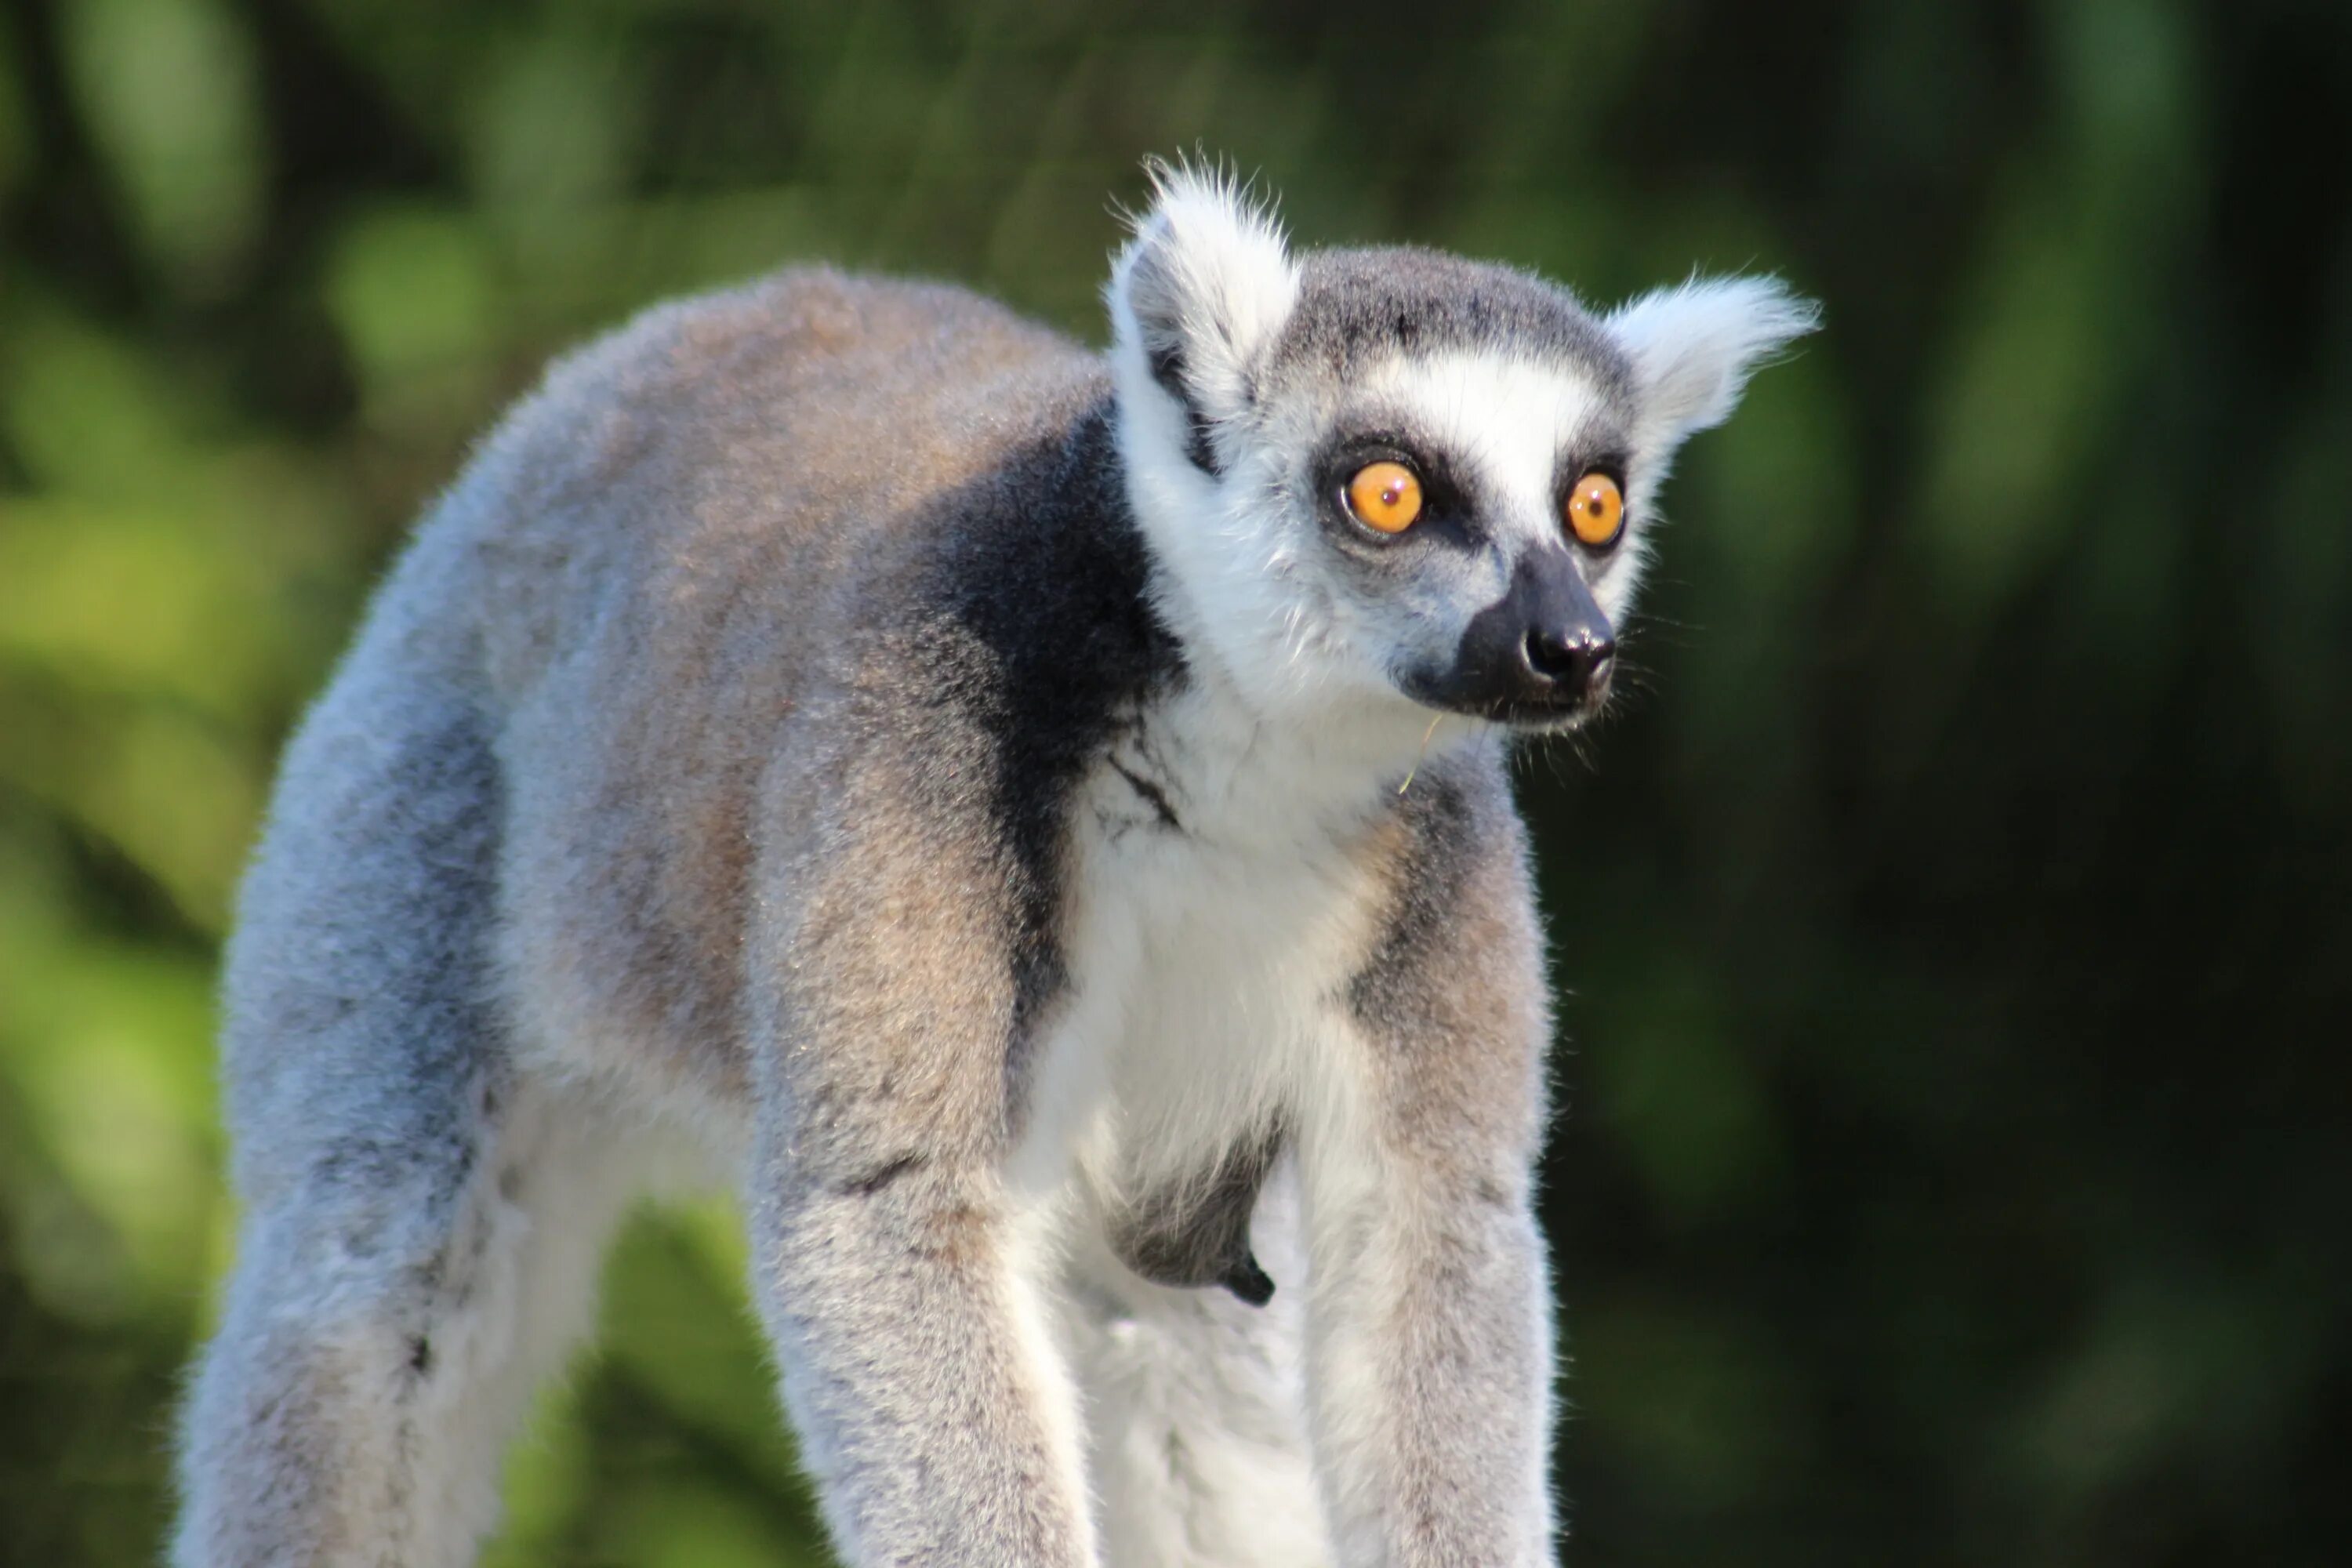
(379, 1349)
(1197, 1446)
(423, 1222)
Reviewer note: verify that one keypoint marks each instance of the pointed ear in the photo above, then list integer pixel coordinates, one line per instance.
(1694, 347)
(1196, 296)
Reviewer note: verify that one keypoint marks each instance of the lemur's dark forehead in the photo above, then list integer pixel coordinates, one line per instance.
(1355, 307)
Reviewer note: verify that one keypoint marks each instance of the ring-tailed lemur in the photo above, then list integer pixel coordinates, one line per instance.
(995, 803)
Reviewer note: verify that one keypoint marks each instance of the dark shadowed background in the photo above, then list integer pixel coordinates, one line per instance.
(1956, 934)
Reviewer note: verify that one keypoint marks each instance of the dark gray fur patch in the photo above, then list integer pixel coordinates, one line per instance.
(1168, 370)
(1195, 1232)
(1359, 305)
(1385, 996)
(1044, 584)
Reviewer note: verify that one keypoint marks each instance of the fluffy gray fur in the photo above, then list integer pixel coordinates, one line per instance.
(843, 740)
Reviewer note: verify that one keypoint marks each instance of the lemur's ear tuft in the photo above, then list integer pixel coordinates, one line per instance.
(1198, 293)
(1694, 347)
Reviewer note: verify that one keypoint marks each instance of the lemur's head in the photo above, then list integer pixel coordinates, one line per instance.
(1375, 475)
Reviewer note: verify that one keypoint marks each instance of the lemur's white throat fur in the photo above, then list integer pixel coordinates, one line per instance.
(840, 738)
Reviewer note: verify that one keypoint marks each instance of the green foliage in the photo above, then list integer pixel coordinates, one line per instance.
(1957, 930)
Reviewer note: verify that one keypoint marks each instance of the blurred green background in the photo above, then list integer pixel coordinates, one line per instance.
(1954, 1165)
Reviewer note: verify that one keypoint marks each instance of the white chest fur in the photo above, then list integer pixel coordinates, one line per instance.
(1222, 896)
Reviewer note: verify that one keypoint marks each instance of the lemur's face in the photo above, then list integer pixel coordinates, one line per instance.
(1398, 476)
(1448, 452)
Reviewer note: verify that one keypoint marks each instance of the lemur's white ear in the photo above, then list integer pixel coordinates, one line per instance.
(1198, 292)
(1693, 346)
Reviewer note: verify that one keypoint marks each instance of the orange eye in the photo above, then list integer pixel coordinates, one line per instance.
(1384, 496)
(1596, 510)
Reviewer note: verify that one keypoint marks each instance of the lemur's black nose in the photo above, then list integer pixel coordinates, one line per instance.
(1541, 655)
(1575, 659)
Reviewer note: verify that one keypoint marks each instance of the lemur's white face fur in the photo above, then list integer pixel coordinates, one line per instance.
(1254, 387)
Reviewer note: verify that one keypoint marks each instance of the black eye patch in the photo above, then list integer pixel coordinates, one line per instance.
(1449, 500)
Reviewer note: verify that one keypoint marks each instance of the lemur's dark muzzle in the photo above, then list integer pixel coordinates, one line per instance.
(1541, 653)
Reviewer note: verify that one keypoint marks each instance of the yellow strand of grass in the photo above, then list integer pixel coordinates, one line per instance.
(1420, 754)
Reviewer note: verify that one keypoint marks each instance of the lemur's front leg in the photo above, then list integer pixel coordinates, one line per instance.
(890, 1263)
(935, 1414)
(1431, 1374)
(1430, 1322)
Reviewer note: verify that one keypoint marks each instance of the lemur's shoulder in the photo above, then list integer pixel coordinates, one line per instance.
(808, 392)
(770, 445)
(808, 329)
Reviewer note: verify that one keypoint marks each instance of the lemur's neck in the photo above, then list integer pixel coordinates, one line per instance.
(1228, 773)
